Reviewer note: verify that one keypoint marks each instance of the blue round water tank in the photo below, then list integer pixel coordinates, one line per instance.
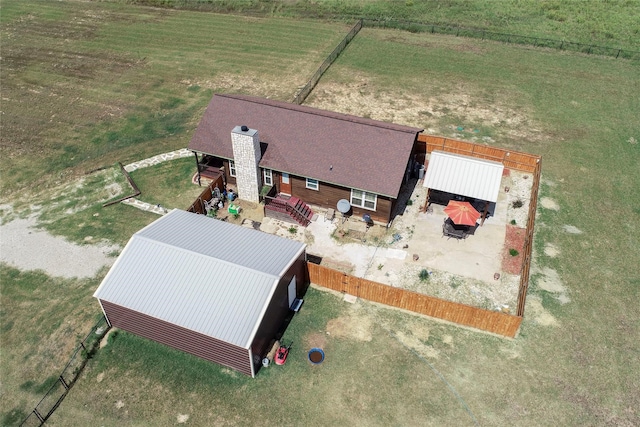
(316, 356)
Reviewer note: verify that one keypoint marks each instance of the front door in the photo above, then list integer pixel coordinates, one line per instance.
(285, 183)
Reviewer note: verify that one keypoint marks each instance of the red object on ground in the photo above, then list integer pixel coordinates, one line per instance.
(462, 213)
(281, 355)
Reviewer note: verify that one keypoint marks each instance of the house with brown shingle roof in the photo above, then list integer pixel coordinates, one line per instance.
(298, 155)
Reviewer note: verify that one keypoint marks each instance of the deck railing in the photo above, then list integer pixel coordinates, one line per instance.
(284, 206)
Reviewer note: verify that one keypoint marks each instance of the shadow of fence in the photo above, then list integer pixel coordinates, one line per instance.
(67, 378)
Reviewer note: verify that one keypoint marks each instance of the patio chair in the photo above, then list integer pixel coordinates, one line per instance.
(208, 206)
(450, 231)
(330, 214)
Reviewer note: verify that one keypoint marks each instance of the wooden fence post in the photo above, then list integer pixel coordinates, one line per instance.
(63, 382)
(35, 411)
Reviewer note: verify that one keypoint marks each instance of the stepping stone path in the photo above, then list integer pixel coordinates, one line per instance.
(156, 209)
(151, 161)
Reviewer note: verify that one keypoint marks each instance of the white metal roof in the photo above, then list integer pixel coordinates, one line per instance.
(200, 273)
(463, 175)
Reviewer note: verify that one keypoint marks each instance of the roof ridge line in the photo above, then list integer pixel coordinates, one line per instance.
(325, 113)
(182, 249)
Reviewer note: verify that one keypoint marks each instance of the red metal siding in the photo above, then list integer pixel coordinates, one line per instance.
(166, 333)
(278, 309)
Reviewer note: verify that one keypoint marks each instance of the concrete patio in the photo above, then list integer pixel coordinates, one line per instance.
(459, 270)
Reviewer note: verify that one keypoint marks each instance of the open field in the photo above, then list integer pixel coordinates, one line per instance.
(155, 79)
(604, 22)
(576, 359)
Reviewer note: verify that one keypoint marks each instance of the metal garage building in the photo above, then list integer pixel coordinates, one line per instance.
(206, 287)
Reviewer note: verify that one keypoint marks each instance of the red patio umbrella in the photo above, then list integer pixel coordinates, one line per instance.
(462, 213)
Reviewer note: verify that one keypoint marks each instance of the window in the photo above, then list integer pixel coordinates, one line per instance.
(312, 184)
(232, 168)
(268, 177)
(362, 199)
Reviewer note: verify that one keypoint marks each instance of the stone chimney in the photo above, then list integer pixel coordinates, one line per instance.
(246, 154)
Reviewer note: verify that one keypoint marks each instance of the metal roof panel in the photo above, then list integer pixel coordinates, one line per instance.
(464, 175)
(196, 284)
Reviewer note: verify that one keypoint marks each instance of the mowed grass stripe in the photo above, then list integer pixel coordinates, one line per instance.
(275, 51)
(228, 31)
(120, 68)
(226, 51)
(216, 33)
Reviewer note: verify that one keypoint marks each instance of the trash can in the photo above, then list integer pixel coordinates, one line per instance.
(421, 172)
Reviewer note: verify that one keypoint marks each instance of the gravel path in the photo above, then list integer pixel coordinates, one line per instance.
(25, 247)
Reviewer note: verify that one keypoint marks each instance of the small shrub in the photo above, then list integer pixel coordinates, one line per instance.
(236, 215)
(380, 266)
(112, 337)
(513, 252)
(517, 204)
(424, 275)
(293, 230)
(513, 222)
(455, 283)
(409, 202)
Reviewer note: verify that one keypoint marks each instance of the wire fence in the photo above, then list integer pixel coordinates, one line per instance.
(306, 90)
(421, 27)
(258, 9)
(58, 391)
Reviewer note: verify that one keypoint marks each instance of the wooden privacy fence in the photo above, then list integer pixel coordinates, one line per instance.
(528, 242)
(207, 194)
(462, 314)
(516, 160)
(524, 162)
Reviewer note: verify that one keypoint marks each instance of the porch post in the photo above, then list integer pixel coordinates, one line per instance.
(426, 202)
(197, 168)
(484, 214)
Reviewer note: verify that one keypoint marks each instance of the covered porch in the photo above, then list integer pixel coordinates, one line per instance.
(209, 168)
(462, 178)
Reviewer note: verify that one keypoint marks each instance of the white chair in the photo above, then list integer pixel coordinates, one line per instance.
(208, 206)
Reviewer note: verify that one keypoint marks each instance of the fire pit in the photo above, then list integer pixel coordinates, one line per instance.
(316, 356)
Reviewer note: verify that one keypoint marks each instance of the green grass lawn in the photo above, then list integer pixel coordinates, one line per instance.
(43, 319)
(87, 84)
(168, 184)
(366, 379)
(575, 362)
(581, 114)
(613, 23)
